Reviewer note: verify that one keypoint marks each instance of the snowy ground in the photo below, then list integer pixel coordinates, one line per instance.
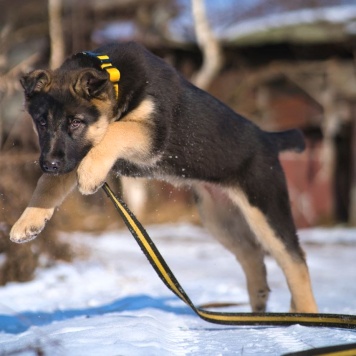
(112, 302)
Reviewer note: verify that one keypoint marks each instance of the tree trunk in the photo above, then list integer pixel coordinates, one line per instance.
(56, 33)
(352, 207)
(209, 45)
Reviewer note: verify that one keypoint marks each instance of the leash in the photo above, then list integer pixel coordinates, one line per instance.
(168, 278)
(337, 350)
(164, 272)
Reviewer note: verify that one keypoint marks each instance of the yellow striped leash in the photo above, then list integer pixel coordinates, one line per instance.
(164, 272)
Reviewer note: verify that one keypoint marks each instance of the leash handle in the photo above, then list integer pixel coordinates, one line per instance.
(164, 272)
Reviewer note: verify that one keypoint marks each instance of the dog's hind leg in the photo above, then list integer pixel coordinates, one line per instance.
(285, 249)
(226, 223)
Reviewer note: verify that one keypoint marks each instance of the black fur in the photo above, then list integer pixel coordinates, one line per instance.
(184, 135)
(201, 138)
(196, 136)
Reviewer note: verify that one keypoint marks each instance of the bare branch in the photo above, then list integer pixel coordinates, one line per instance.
(56, 33)
(9, 81)
(209, 45)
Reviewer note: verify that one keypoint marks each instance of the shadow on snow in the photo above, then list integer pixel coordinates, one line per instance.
(18, 323)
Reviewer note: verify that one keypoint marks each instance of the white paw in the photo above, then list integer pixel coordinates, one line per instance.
(30, 224)
(91, 175)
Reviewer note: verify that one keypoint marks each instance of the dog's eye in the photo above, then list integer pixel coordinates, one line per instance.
(75, 123)
(42, 122)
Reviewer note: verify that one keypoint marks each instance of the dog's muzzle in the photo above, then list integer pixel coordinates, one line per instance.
(53, 165)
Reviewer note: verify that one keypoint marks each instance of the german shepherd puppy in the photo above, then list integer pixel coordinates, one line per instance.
(159, 125)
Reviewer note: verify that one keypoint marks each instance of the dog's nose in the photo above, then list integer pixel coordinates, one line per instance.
(51, 166)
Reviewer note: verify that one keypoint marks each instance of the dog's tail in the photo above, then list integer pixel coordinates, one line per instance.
(290, 140)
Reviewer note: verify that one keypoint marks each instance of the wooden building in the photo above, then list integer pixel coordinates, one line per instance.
(286, 64)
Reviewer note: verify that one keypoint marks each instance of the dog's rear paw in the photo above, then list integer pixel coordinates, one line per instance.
(30, 224)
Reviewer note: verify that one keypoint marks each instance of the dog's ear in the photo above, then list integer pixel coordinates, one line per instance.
(35, 81)
(91, 83)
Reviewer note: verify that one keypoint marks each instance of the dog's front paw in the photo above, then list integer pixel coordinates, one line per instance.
(30, 224)
(91, 175)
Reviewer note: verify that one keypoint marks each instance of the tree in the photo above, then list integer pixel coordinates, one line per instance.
(56, 33)
(208, 44)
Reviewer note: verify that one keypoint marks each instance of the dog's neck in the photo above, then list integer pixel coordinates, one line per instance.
(104, 62)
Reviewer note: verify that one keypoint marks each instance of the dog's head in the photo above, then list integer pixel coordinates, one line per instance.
(71, 110)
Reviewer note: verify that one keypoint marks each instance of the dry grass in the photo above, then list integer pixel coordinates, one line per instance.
(19, 174)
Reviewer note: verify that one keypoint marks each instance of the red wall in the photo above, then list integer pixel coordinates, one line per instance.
(309, 185)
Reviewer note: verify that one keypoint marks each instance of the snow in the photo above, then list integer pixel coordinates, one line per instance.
(111, 302)
(230, 28)
(333, 14)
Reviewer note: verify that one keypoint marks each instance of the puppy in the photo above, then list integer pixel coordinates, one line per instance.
(151, 122)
